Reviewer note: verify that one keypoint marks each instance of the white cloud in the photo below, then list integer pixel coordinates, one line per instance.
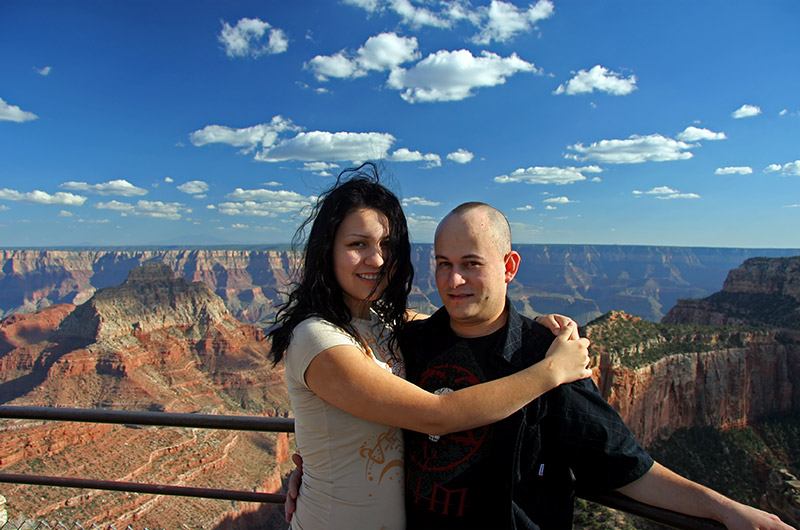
(315, 166)
(14, 113)
(113, 187)
(598, 78)
(746, 111)
(42, 197)
(501, 21)
(338, 65)
(559, 200)
(193, 187)
(44, 71)
(265, 134)
(461, 156)
(381, 52)
(244, 39)
(263, 209)
(65, 213)
(168, 179)
(550, 207)
(635, 149)
(790, 168)
(525, 208)
(406, 155)
(547, 175)
(419, 201)
(387, 51)
(327, 146)
(694, 134)
(240, 194)
(161, 210)
(733, 170)
(115, 205)
(665, 192)
(452, 75)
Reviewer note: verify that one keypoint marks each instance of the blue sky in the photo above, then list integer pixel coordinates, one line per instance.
(586, 122)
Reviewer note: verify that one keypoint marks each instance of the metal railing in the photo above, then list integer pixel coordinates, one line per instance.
(613, 500)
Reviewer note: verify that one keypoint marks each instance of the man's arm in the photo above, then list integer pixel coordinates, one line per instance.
(666, 489)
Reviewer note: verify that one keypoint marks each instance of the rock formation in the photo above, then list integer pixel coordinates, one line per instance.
(579, 280)
(153, 343)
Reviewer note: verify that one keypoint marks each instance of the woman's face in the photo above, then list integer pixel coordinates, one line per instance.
(360, 246)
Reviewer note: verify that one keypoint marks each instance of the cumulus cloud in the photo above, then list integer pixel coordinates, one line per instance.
(694, 134)
(746, 111)
(598, 78)
(502, 21)
(419, 201)
(327, 146)
(381, 52)
(461, 156)
(193, 187)
(734, 170)
(406, 155)
(245, 38)
(547, 175)
(113, 187)
(790, 168)
(525, 208)
(265, 134)
(558, 200)
(65, 213)
(41, 197)
(44, 71)
(635, 149)
(262, 209)
(665, 192)
(171, 211)
(320, 168)
(115, 205)
(14, 113)
(453, 75)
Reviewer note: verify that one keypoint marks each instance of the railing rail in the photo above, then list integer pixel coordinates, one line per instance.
(252, 423)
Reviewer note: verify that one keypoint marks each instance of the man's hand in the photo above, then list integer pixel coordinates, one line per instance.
(555, 322)
(293, 488)
(568, 355)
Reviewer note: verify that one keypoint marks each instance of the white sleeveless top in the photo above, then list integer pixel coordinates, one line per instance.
(352, 468)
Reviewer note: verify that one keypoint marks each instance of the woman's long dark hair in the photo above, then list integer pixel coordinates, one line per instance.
(316, 292)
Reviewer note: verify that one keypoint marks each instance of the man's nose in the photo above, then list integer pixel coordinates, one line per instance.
(455, 278)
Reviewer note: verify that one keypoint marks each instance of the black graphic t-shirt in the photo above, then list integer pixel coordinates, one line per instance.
(448, 482)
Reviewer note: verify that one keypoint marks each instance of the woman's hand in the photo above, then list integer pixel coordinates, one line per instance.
(554, 322)
(568, 356)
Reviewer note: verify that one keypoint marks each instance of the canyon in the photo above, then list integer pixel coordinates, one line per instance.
(156, 340)
(583, 281)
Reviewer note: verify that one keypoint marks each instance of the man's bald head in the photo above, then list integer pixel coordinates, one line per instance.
(488, 219)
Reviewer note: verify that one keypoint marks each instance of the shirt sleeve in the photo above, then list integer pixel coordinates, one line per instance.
(601, 450)
(310, 338)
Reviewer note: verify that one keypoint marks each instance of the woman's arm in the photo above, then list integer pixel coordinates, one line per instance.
(346, 378)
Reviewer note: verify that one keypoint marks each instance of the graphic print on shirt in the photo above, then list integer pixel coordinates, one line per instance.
(439, 461)
(378, 466)
(383, 454)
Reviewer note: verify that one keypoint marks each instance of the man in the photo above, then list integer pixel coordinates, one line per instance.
(521, 472)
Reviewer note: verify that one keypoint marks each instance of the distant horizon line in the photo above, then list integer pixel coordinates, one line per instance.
(287, 246)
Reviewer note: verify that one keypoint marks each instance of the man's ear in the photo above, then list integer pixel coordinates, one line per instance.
(512, 260)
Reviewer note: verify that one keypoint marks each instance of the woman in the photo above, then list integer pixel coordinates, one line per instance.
(345, 375)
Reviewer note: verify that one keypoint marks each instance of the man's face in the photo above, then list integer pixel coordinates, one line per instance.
(472, 273)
